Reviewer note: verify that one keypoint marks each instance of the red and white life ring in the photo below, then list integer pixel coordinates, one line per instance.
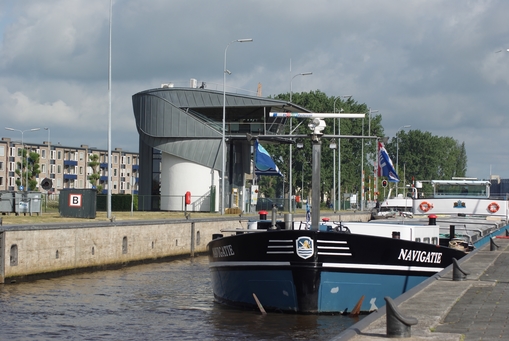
(425, 206)
(493, 207)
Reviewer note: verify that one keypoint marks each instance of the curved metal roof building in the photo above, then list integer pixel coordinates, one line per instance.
(182, 127)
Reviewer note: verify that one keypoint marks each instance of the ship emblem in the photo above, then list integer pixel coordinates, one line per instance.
(305, 247)
(459, 204)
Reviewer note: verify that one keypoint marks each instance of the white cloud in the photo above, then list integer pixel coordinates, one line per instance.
(428, 63)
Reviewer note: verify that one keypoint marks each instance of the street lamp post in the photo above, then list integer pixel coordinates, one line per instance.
(290, 200)
(49, 143)
(369, 134)
(361, 198)
(339, 156)
(223, 142)
(397, 153)
(26, 154)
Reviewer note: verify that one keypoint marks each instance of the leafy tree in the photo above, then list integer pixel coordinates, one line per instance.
(418, 155)
(33, 170)
(95, 176)
(423, 156)
(28, 170)
(351, 148)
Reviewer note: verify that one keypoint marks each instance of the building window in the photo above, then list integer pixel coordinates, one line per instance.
(1, 165)
(43, 154)
(115, 159)
(2, 151)
(59, 153)
(82, 155)
(43, 168)
(59, 169)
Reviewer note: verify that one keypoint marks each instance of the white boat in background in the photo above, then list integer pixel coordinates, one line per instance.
(450, 197)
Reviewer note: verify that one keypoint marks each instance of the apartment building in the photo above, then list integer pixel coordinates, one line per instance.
(68, 167)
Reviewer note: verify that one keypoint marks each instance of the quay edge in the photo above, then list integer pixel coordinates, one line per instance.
(30, 252)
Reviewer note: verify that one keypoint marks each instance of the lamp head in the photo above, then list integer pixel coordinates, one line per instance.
(317, 126)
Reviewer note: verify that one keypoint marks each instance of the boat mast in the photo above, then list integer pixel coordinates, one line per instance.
(316, 180)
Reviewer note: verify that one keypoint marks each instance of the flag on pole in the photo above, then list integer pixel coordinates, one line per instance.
(386, 167)
(264, 165)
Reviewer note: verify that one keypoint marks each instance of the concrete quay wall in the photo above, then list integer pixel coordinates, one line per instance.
(47, 250)
(43, 251)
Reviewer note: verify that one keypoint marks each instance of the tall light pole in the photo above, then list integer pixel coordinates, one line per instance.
(290, 199)
(26, 154)
(369, 134)
(49, 142)
(397, 153)
(339, 156)
(362, 169)
(108, 201)
(223, 141)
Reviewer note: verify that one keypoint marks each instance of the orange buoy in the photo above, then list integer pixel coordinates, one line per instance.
(425, 206)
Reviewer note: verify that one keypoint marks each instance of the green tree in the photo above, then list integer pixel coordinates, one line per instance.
(351, 162)
(27, 169)
(95, 176)
(423, 156)
(33, 170)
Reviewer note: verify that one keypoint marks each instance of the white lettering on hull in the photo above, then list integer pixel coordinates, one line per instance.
(223, 251)
(420, 256)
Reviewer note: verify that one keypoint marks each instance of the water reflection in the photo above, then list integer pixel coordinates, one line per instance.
(163, 301)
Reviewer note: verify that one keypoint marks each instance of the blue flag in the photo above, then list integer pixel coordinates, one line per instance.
(385, 167)
(264, 165)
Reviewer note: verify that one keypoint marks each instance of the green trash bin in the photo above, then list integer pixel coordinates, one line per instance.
(78, 203)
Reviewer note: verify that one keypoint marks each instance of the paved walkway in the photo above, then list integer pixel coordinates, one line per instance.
(473, 309)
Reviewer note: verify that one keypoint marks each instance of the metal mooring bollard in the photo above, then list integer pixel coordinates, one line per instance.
(397, 324)
(493, 246)
(458, 274)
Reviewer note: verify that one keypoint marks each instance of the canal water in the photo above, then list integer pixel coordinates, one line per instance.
(162, 301)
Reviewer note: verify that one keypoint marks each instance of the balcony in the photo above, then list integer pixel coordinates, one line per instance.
(70, 176)
(103, 165)
(103, 178)
(68, 163)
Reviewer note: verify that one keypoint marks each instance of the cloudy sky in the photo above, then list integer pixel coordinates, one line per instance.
(431, 64)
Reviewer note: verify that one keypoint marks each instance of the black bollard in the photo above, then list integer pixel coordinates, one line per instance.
(452, 232)
(458, 274)
(507, 233)
(432, 219)
(397, 324)
(493, 246)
